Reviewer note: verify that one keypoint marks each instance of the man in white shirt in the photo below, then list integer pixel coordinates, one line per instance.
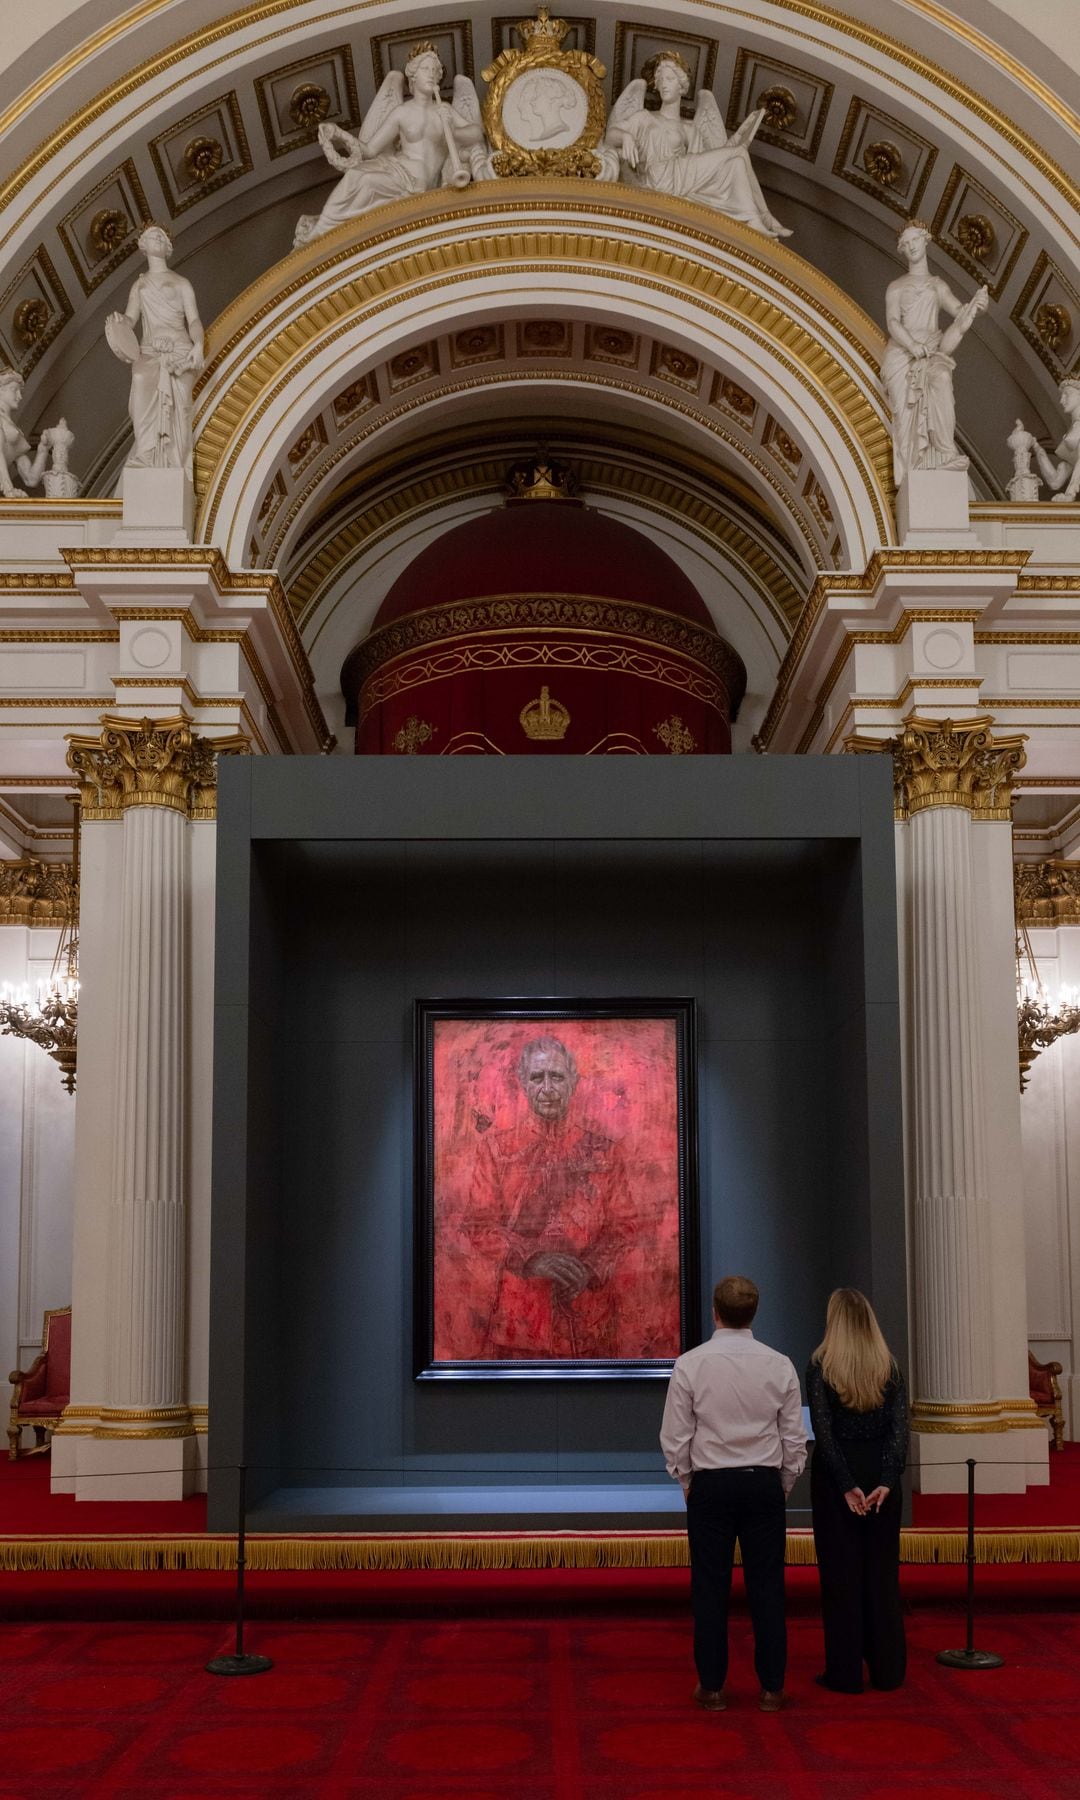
(733, 1436)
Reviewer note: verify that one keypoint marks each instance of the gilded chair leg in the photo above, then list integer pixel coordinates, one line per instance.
(14, 1434)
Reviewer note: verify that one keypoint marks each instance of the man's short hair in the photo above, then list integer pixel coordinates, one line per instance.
(735, 1301)
(547, 1046)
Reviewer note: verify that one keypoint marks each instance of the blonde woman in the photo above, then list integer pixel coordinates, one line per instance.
(858, 1410)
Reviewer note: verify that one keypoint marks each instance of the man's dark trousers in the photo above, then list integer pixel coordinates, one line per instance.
(724, 1505)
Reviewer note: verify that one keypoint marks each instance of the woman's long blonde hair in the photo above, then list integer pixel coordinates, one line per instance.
(855, 1359)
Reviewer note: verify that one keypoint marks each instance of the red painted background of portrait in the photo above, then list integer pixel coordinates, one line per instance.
(623, 1142)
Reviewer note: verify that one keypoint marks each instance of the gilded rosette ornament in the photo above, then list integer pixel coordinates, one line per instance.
(938, 762)
(148, 762)
(545, 111)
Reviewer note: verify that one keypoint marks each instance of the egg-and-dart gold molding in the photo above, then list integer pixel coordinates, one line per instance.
(858, 422)
(606, 379)
(824, 17)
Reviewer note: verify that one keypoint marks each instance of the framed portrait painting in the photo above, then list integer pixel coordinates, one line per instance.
(556, 1202)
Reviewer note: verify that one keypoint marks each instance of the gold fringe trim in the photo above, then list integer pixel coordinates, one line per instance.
(541, 1550)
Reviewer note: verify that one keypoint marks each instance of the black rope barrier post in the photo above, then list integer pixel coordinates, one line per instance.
(969, 1657)
(240, 1662)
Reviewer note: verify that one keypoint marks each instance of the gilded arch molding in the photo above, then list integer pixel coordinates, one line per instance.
(816, 20)
(334, 308)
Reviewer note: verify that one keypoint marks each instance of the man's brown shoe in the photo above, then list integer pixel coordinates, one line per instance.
(712, 1699)
(771, 1702)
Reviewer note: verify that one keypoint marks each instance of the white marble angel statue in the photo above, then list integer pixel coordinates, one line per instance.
(14, 447)
(1063, 476)
(403, 146)
(918, 363)
(164, 360)
(695, 159)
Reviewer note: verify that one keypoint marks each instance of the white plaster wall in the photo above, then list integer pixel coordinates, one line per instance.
(37, 1143)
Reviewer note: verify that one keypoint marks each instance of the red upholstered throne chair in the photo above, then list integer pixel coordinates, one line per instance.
(1045, 1390)
(41, 1392)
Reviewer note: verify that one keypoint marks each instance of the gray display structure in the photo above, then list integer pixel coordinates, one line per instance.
(763, 887)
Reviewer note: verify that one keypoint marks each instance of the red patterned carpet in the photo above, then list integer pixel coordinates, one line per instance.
(590, 1705)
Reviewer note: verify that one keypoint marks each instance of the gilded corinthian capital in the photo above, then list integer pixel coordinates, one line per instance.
(938, 762)
(148, 762)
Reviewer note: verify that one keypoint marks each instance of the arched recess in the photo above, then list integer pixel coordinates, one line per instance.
(337, 309)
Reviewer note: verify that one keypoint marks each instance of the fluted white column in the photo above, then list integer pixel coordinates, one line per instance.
(953, 781)
(952, 1318)
(137, 1440)
(145, 1369)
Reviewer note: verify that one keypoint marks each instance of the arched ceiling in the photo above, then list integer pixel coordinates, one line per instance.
(182, 110)
(978, 137)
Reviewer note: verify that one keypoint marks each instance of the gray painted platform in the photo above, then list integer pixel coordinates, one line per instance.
(637, 1507)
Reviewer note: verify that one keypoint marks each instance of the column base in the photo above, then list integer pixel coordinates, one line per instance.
(125, 1466)
(1006, 1462)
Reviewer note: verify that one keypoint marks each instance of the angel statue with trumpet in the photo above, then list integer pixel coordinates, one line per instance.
(402, 147)
(695, 159)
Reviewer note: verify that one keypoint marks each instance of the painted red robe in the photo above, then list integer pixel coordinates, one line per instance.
(559, 1187)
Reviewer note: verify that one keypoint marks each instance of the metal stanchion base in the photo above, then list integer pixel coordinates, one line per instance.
(239, 1665)
(970, 1659)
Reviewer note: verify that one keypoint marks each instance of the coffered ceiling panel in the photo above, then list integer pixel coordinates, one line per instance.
(978, 231)
(796, 103)
(884, 158)
(201, 154)
(102, 231)
(295, 100)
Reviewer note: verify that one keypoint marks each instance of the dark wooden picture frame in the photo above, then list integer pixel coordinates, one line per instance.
(556, 1204)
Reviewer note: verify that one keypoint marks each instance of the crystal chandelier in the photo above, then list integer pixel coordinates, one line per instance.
(50, 1017)
(1039, 1022)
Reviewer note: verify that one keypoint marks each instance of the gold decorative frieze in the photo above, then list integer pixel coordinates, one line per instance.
(1048, 314)
(451, 40)
(942, 762)
(978, 231)
(796, 103)
(883, 157)
(299, 97)
(34, 309)
(636, 46)
(1047, 893)
(102, 230)
(201, 154)
(34, 892)
(148, 762)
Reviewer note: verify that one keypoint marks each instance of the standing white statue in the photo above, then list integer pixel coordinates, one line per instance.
(1064, 475)
(403, 146)
(918, 364)
(694, 159)
(166, 360)
(14, 447)
(49, 461)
